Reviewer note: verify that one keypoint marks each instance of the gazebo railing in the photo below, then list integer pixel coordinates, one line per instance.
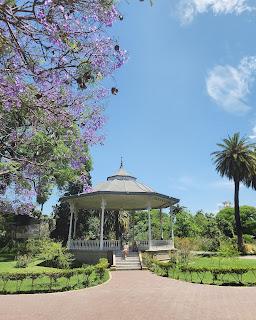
(142, 244)
(155, 244)
(90, 245)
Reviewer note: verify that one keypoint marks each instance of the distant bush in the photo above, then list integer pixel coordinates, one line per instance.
(23, 261)
(248, 238)
(55, 255)
(184, 246)
(186, 243)
(249, 248)
(227, 249)
(14, 247)
(34, 247)
(159, 267)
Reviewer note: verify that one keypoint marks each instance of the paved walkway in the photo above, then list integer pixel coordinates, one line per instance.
(135, 295)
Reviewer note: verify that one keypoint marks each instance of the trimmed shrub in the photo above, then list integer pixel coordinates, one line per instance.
(85, 276)
(218, 272)
(101, 267)
(199, 274)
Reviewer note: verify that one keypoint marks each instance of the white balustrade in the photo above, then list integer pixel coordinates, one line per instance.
(142, 244)
(94, 245)
(91, 245)
(155, 244)
(161, 244)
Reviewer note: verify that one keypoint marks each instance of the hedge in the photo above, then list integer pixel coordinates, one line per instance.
(187, 272)
(82, 277)
(218, 273)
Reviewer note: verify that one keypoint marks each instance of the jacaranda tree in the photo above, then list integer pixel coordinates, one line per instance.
(236, 160)
(53, 56)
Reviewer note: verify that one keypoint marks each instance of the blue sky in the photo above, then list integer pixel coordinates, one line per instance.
(189, 82)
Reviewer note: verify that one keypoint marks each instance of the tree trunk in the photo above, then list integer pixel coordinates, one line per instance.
(240, 241)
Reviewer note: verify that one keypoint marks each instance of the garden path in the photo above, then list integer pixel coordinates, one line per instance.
(135, 295)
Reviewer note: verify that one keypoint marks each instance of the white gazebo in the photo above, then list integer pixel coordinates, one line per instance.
(120, 192)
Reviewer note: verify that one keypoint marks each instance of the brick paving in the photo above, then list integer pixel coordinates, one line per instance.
(135, 295)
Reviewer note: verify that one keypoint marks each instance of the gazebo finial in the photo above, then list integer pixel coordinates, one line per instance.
(121, 165)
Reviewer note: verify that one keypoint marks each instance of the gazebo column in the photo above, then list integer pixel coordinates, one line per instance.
(133, 220)
(75, 223)
(149, 227)
(172, 221)
(72, 211)
(161, 224)
(103, 206)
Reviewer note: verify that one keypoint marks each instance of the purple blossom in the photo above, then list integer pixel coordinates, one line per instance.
(45, 76)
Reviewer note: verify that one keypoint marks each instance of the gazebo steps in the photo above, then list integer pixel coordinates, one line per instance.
(127, 259)
(132, 262)
(125, 268)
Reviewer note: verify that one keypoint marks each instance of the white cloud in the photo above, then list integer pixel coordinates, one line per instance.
(185, 182)
(188, 9)
(229, 86)
(222, 184)
(253, 134)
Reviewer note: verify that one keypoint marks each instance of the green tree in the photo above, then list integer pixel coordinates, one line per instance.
(226, 220)
(185, 225)
(236, 160)
(116, 223)
(201, 221)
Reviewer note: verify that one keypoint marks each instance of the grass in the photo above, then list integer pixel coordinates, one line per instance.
(219, 261)
(7, 264)
(42, 284)
(248, 279)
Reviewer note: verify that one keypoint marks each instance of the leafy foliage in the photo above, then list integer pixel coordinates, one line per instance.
(227, 249)
(226, 220)
(54, 255)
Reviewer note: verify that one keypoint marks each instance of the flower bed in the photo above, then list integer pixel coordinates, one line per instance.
(52, 281)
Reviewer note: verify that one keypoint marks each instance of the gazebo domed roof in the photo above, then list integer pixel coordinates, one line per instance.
(121, 181)
(122, 191)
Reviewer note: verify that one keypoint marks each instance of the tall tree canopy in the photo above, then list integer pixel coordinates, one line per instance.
(53, 55)
(226, 220)
(236, 160)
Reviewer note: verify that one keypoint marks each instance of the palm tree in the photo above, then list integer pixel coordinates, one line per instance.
(116, 222)
(237, 161)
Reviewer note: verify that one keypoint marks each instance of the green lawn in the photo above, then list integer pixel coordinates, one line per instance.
(248, 279)
(44, 283)
(7, 264)
(225, 262)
